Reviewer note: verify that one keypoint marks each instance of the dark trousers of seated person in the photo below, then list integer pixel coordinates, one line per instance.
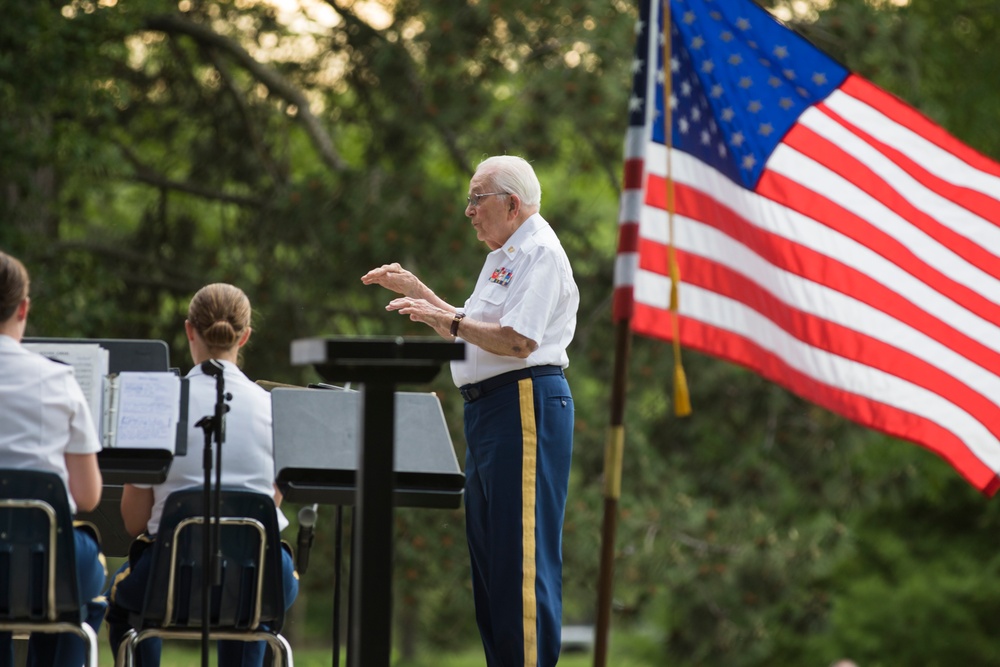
(128, 590)
(66, 649)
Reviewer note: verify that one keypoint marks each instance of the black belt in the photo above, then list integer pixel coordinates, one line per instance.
(476, 390)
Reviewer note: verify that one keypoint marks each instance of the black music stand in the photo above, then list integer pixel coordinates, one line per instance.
(378, 364)
(120, 466)
(317, 438)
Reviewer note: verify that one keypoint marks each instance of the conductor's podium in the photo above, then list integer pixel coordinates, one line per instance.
(316, 439)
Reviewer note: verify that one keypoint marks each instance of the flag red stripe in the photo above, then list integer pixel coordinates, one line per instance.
(974, 201)
(711, 340)
(816, 266)
(838, 339)
(802, 200)
(849, 167)
(628, 237)
(907, 116)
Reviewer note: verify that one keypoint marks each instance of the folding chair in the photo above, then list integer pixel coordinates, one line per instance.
(36, 543)
(250, 593)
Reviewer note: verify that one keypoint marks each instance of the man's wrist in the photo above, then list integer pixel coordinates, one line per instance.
(457, 320)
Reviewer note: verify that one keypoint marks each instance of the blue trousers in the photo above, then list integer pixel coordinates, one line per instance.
(66, 649)
(519, 445)
(126, 595)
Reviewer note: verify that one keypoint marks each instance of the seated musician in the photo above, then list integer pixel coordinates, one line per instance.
(45, 424)
(217, 327)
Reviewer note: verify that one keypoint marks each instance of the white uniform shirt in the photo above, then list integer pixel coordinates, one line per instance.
(43, 413)
(526, 285)
(248, 450)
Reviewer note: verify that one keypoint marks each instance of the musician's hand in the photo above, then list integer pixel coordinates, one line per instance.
(394, 277)
(420, 310)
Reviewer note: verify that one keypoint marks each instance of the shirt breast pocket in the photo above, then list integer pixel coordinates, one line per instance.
(493, 299)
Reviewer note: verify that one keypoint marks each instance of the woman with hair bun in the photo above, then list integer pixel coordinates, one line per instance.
(217, 327)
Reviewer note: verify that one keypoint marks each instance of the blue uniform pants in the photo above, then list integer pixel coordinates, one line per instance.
(519, 445)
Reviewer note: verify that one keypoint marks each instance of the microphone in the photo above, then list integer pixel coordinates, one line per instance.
(307, 523)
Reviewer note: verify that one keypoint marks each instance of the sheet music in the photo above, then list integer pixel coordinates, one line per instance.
(90, 365)
(147, 410)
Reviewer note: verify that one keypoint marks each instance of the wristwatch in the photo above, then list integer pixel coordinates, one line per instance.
(455, 322)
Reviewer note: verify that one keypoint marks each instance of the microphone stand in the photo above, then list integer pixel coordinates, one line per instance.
(215, 428)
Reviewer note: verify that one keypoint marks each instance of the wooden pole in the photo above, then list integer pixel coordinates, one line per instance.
(614, 450)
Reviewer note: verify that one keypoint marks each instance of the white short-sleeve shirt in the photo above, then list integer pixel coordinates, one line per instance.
(248, 449)
(527, 285)
(43, 413)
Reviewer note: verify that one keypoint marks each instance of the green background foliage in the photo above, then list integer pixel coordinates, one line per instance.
(149, 147)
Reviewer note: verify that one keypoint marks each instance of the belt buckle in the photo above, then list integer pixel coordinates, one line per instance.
(471, 393)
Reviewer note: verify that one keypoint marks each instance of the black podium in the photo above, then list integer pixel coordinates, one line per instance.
(379, 364)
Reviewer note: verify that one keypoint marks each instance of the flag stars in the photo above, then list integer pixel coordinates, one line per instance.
(635, 104)
(717, 91)
(765, 129)
(726, 36)
(697, 42)
(637, 65)
(722, 150)
(789, 74)
(735, 59)
(764, 61)
(749, 162)
(737, 139)
(780, 52)
(819, 78)
(707, 66)
(689, 17)
(774, 82)
(715, 15)
(695, 114)
(675, 64)
(746, 82)
(755, 106)
(673, 101)
(802, 92)
(686, 88)
(706, 138)
(743, 24)
(728, 114)
(640, 26)
(683, 125)
(786, 103)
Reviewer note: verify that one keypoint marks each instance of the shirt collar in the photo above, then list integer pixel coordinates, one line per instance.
(522, 234)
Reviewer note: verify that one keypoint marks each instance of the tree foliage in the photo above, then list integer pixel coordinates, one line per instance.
(149, 147)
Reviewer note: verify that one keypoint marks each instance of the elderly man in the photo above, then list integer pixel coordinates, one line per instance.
(518, 408)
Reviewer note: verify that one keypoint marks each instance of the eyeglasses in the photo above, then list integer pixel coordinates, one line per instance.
(476, 200)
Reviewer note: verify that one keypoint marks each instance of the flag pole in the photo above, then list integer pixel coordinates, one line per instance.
(614, 447)
(613, 451)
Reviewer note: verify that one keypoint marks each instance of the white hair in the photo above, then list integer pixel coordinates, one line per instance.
(513, 174)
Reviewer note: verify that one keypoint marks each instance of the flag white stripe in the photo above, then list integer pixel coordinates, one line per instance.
(781, 221)
(943, 210)
(822, 302)
(828, 184)
(839, 372)
(946, 166)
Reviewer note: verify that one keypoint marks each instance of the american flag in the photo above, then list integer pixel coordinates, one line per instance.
(827, 235)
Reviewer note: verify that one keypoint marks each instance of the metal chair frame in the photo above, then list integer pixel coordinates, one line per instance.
(171, 629)
(51, 624)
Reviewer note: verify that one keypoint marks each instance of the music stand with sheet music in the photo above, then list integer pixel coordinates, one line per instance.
(120, 466)
(379, 364)
(316, 441)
